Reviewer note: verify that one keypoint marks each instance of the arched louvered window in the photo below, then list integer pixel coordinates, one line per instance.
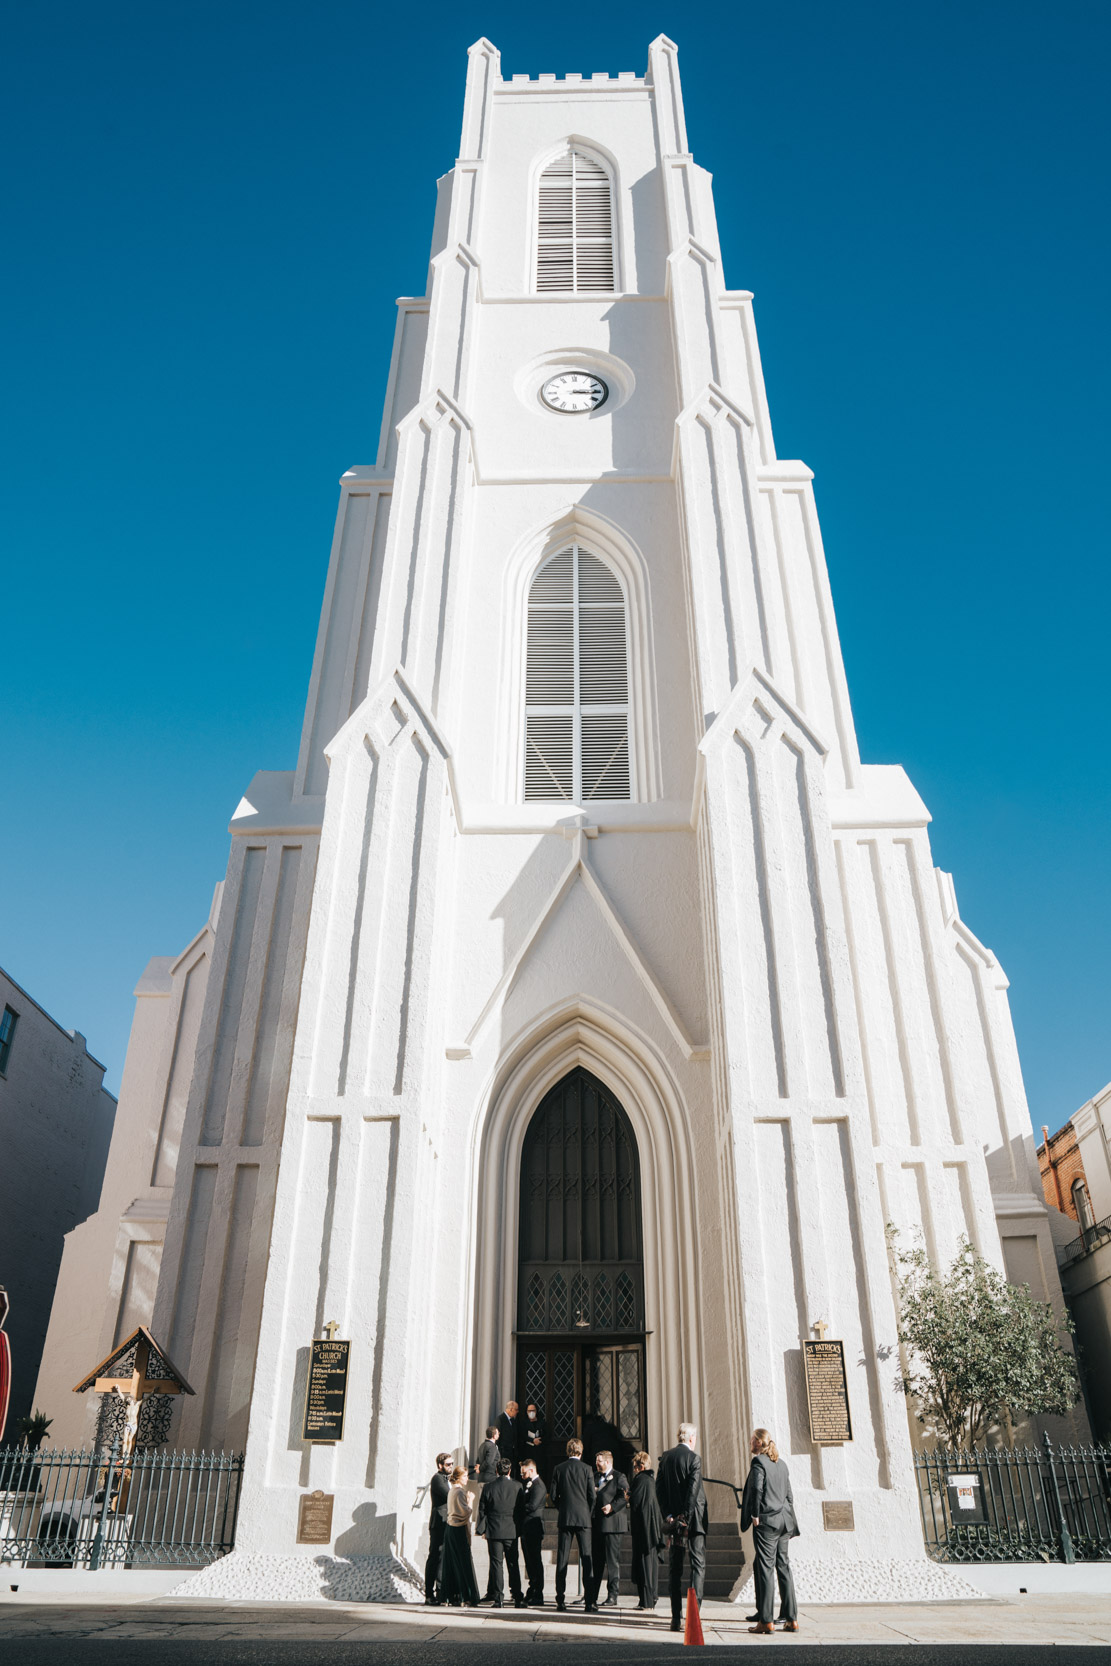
(574, 243)
(576, 682)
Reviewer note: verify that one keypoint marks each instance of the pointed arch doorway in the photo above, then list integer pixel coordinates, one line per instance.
(580, 1273)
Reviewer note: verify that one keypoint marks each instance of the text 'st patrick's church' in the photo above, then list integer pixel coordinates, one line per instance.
(575, 1015)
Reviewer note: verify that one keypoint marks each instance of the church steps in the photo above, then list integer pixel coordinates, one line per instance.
(724, 1561)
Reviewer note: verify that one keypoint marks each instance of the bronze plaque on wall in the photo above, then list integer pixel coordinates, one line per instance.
(326, 1399)
(837, 1516)
(314, 1518)
(827, 1393)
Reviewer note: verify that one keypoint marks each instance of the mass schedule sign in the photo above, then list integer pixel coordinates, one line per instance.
(326, 1400)
(827, 1393)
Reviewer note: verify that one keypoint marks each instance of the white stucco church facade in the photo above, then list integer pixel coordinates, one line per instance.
(575, 1015)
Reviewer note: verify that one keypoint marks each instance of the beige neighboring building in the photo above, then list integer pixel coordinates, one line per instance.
(111, 1263)
(1092, 1123)
(1076, 1162)
(55, 1124)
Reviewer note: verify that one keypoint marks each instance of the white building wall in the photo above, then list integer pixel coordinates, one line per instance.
(217, 1233)
(755, 952)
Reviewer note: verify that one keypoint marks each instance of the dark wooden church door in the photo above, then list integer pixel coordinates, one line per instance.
(580, 1274)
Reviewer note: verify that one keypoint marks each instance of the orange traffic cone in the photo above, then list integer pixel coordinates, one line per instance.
(692, 1630)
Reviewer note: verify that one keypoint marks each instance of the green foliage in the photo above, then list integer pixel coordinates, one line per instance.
(33, 1429)
(983, 1352)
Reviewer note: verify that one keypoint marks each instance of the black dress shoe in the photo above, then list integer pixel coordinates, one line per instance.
(676, 1625)
(610, 1602)
(590, 1608)
(752, 1616)
(561, 1606)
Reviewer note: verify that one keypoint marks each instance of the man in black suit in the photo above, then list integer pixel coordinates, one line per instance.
(683, 1502)
(485, 1466)
(531, 1433)
(530, 1530)
(572, 1493)
(608, 1520)
(484, 1470)
(497, 1519)
(438, 1489)
(507, 1435)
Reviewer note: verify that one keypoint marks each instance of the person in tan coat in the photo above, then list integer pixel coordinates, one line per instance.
(460, 1587)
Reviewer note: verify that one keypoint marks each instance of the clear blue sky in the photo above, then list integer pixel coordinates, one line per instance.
(209, 210)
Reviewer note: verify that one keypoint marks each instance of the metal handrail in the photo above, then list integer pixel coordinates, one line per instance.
(738, 1492)
(1090, 1238)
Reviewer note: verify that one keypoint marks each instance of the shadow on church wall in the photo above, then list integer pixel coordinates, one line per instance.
(369, 1535)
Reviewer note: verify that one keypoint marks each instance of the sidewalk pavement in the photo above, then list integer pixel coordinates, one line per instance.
(1060, 1619)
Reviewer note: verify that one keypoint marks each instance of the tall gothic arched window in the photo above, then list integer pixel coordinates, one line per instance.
(574, 238)
(576, 682)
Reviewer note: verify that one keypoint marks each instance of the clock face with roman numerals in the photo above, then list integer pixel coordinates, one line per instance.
(573, 391)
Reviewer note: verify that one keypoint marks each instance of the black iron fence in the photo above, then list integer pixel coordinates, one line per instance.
(96, 1510)
(1036, 1504)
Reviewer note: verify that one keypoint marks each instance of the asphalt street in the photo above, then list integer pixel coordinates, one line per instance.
(176, 1651)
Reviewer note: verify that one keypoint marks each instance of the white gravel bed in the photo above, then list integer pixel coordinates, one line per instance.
(871, 1580)
(241, 1577)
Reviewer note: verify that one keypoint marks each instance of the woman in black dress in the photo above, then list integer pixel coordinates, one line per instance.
(459, 1584)
(646, 1519)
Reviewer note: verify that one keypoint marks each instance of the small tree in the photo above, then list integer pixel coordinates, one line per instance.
(982, 1351)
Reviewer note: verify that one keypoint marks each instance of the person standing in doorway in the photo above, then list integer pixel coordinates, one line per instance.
(530, 1528)
(531, 1434)
(768, 1507)
(438, 1489)
(683, 1503)
(497, 1520)
(460, 1585)
(647, 1523)
(507, 1436)
(607, 1523)
(572, 1493)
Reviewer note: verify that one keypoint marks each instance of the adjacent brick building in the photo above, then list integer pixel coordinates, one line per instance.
(1063, 1179)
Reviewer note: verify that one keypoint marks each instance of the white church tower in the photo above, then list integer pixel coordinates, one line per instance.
(578, 1012)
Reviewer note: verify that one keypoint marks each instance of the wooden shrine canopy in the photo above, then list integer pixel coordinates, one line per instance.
(111, 1375)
